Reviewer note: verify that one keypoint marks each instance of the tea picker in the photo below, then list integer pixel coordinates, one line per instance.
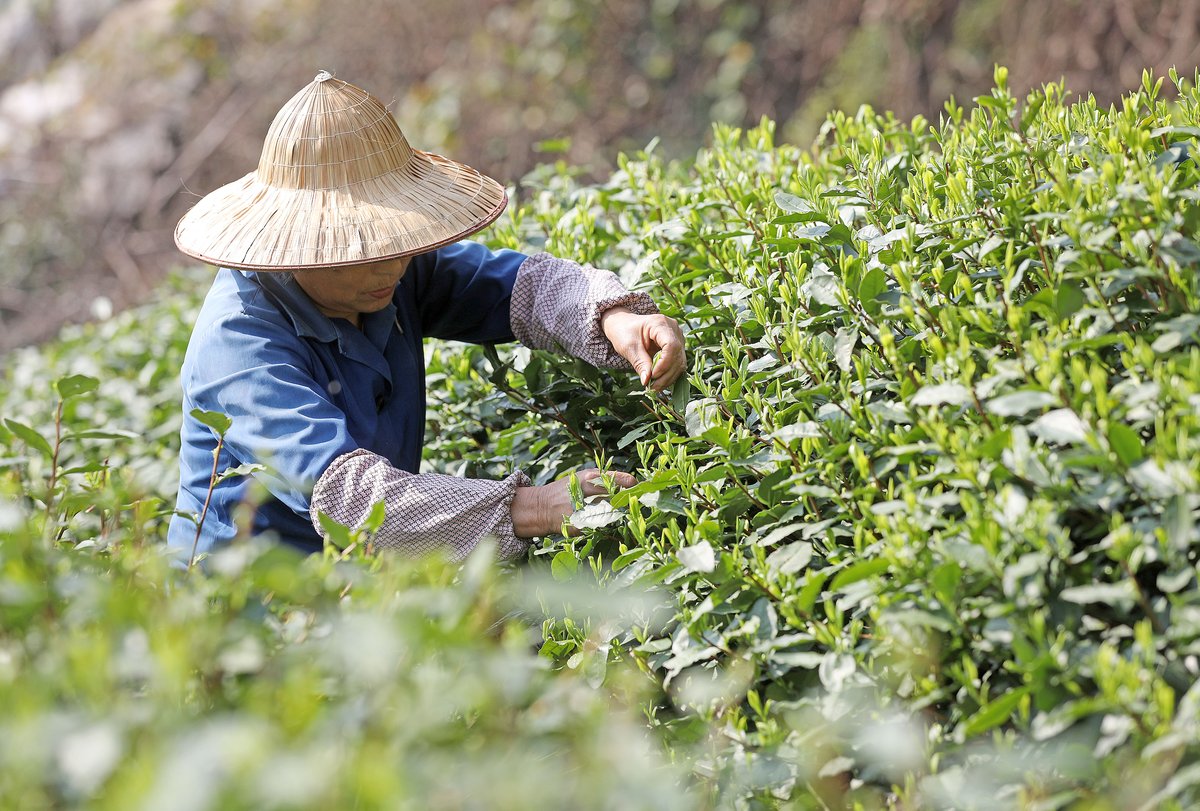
(336, 257)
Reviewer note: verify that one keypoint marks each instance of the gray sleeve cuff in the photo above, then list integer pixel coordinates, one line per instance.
(424, 512)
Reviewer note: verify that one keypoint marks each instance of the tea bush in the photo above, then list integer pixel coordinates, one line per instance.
(925, 510)
(928, 502)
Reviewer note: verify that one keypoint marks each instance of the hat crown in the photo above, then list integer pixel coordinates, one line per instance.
(337, 185)
(331, 135)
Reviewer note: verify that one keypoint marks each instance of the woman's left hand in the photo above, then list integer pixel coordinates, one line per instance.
(638, 338)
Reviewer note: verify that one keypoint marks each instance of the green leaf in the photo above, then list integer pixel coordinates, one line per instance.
(821, 288)
(814, 581)
(1180, 524)
(74, 385)
(553, 145)
(633, 435)
(1158, 132)
(790, 202)
(700, 415)
(859, 570)
(240, 470)
(336, 534)
(805, 660)
(916, 617)
(30, 437)
(1068, 300)
(949, 279)
(1122, 594)
(215, 420)
(995, 713)
(799, 217)
(698, 557)
(844, 341)
(596, 515)
(663, 502)
(87, 467)
(1179, 248)
(1125, 442)
(1149, 477)
(96, 433)
(872, 284)
(790, 558)
(811, 233)
(564, 565)
(681, 394)
(375, 518)
(626, 558)
(1060, 425)
(1018, 403)
(942, 394)
(801, 430)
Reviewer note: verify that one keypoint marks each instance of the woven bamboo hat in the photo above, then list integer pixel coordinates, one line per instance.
(337, 184)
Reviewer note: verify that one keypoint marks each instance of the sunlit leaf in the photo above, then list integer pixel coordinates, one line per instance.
(75, 385)
(29, 436)
(220, 423)
(698, 557)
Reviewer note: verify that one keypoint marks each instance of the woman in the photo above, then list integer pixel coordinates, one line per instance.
(337, 256)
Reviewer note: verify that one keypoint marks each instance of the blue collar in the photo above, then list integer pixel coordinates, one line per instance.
(310, 322)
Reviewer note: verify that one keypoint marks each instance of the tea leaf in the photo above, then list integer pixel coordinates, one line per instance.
(75, 385)
(790, 558)
(1018, 403)
(30, 437)
(995, 713)
(220, 423)
(942, 394)
(698, 557)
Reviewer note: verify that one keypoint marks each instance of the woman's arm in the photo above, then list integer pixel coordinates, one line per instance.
(423, 512)
(586, 312)
(557, 304)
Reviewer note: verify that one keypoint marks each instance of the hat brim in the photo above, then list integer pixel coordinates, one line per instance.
(430, 202)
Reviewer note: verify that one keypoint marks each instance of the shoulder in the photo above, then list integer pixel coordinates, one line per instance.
(466, 255)
(239, 326)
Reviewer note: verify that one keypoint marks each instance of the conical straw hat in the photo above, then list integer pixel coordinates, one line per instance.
(337, 185)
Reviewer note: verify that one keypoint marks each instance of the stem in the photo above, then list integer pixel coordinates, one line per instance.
(554, 415)
(979, 408)
(54, 466)
(212, 485)
(499, 381)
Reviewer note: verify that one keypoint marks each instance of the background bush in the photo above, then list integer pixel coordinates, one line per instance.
(924, 512)
(115, 115)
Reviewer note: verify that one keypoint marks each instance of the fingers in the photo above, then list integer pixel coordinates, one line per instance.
(672, 360)
(641, 362)
(596, 483)
(623, 479)
(638, 338)
(540, 510)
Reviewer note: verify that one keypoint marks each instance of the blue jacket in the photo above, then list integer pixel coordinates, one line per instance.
(302, 389)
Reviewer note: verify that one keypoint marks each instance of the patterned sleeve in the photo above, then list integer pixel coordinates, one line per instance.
(557, 304)
(424, 511)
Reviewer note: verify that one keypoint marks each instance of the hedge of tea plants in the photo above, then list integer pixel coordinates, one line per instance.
(928, 502)
(263, 680)
(922, 517)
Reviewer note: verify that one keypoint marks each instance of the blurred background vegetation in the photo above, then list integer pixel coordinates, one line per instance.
(115, 116)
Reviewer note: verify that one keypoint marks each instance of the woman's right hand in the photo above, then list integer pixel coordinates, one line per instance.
(540, 510)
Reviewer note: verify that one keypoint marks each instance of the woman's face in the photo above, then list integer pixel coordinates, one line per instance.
(350, 291)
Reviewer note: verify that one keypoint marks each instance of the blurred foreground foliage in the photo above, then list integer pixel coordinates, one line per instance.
(924, 513)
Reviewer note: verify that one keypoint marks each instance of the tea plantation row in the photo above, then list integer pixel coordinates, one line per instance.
(919, 531)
